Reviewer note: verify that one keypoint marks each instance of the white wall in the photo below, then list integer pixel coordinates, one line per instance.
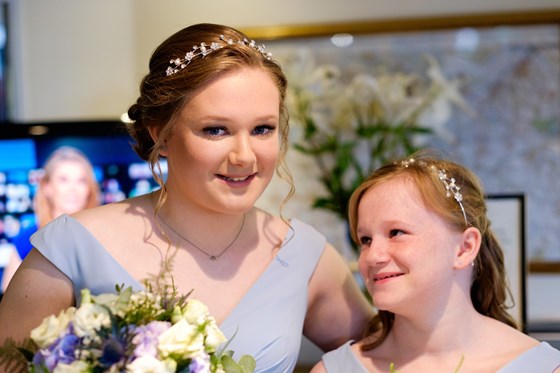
(83, 59)
(74, 58)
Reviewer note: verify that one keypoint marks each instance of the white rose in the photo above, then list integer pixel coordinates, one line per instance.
(118, 304)
(89, 318)
(149, 364)
(77, 366)
(195, 312)
(52, 327)
(214, 336)
(181, 339)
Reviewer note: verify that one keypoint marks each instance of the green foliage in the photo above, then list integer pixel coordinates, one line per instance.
(341, 168)
(246, 364)
(351, 124)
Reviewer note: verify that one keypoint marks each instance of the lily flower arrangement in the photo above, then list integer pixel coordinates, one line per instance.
(351, 126)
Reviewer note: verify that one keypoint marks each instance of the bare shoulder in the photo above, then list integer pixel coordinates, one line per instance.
(120, 214)
(37, 289)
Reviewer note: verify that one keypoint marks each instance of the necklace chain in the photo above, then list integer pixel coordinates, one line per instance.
(210, 256)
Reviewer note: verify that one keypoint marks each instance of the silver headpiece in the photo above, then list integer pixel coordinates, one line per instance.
(203, 49)
(452, 189)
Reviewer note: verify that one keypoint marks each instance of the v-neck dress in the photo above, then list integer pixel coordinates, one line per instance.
(542, 358)
(267, 323)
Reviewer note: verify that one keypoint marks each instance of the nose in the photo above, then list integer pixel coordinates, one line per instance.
(374, 255)
(242, 153)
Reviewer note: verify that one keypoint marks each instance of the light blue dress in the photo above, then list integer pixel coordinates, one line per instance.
(267, 322)
(542, 358)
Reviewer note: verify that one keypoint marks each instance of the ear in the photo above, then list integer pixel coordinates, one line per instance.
(468, 249)
(154, 134)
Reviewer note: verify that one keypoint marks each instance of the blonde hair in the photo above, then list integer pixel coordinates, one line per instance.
(42, 205)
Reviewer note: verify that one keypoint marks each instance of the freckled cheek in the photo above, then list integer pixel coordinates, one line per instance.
(363, 267)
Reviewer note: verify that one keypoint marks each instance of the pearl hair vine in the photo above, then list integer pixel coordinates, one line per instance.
(203, 49)
(451, 187)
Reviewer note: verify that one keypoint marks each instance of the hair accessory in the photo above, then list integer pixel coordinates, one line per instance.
(450, 185)
(407, 162)
(452, 189)
(203, 49)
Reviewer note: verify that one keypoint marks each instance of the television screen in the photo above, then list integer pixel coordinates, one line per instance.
(24, 149)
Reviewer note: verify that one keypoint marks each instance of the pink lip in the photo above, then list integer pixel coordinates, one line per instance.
(383, 277)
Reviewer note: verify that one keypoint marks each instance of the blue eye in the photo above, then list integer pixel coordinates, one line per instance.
(264, 130)
(214, 131)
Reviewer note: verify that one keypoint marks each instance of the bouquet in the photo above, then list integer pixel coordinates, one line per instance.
(133, 332)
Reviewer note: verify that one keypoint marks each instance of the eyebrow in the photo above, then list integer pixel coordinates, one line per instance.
(213, 117)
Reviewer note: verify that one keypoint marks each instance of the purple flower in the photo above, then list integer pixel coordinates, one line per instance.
(113, 351)
(146, 338)
(200, 364)
(61, 351)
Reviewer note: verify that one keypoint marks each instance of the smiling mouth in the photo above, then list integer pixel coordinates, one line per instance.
(235, 179)
(379, 278)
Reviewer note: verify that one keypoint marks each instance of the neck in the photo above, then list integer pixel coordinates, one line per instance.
(210, 232)
(452, 329)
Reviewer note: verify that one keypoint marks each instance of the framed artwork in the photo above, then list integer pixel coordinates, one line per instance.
(509, 68)
(507, 220)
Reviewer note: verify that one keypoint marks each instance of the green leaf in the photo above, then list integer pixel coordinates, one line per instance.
(27, 354)
(247, 363)
(230, 366)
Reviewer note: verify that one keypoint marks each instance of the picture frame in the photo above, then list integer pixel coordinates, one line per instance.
(497, 162)
(506, 213)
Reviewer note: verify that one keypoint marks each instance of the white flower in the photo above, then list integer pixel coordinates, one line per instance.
(145, 300)
(214, 336)
(118, 304)
(195, 312)
(89, 318)
(449, 89)
(149, 364)
(51, 327)
(76, 366)
(181, 339)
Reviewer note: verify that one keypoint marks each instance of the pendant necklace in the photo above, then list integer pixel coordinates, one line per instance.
(210, 256)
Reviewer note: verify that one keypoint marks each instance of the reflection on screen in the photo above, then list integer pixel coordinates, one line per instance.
(118, 170)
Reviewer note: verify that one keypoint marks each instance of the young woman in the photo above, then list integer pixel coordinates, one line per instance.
(68, 185)
(216, 112)
(436, 272)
